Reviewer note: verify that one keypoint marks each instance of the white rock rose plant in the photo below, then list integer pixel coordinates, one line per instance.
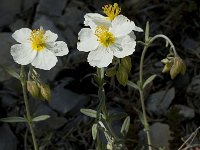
(109, 41)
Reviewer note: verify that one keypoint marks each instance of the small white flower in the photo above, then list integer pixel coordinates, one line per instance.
(37, 47)
(106, 39)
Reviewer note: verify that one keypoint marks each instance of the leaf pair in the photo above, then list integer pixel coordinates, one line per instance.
(22, 119)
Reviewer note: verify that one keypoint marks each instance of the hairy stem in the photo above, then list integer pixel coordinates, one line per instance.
(141, 88)
(28, 115)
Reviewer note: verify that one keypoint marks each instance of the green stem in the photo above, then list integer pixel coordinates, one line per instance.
(141, 90)
(102, 104)
(28, 115)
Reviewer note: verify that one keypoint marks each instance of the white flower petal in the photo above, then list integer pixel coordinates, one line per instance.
(50, 36)
(101, 57)
(138, 29)
(88, 41)
(23, 53)
(122, 26)
(22, 35)
(59, 48)
(128, 47)
(132, 35)
(94, 19)
(45, 60)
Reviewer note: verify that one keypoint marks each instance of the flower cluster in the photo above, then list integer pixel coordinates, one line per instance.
(107, 36)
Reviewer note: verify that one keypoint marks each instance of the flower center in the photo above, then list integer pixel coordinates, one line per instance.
(111, 10)
(105, 37)
(38, 40)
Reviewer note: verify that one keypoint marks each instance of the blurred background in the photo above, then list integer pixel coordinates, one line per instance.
(173, 105)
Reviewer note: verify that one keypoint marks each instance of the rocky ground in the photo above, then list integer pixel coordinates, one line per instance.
(173, 105)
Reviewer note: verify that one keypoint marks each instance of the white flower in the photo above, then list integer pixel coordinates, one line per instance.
(106, 39)
(37, 47)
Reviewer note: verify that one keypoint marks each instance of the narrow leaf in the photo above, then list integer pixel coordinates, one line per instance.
(132, 84)
(147, 31)
(151, 78)
(89, 112)
(41, 118)
(125, 126)
(13, 119)
(94, 131)
(11, 71)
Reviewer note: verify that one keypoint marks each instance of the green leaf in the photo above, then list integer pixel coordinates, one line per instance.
(111, 72)
(147, 31)
(125, 126)
(122, 75)
(94, 131)
(117, 115)
(132, 84)
(11, 71)
(126, 63)
(41, 118)
(89, 112)
(13, 119)
(151, 78)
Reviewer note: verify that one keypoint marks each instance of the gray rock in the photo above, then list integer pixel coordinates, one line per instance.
(65, 101)
(159, 102)
(185, 111)
(54, 122)
(8, 140)
(72, 18)
(71, 38)
(6, 41)
(28, 4)
(160, 135)
(52, 7)
(18, 24)
(8, 10)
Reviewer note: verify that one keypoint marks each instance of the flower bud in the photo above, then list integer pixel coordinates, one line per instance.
(45, 92)
(177, 67)
(174, 66)
(33, 88)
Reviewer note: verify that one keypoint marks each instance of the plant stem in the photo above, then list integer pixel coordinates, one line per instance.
(28, 115)
(141, 90)
(102, 104)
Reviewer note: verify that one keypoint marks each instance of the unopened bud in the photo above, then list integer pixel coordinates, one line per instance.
(174, 65)
(33, 88)
(45, 92)
(177, 67)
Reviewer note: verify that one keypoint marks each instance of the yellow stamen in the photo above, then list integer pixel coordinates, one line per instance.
(105, 37)
(38, 40)
(111, 10)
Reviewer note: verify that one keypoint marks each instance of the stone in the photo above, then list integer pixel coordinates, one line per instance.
(185, 111)
(8, 139)
(18, 24)
(52, 7)
(159, 102)
(8, 11)
(6, 41)
(160, 135)
(72, 18)
(64, 100)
